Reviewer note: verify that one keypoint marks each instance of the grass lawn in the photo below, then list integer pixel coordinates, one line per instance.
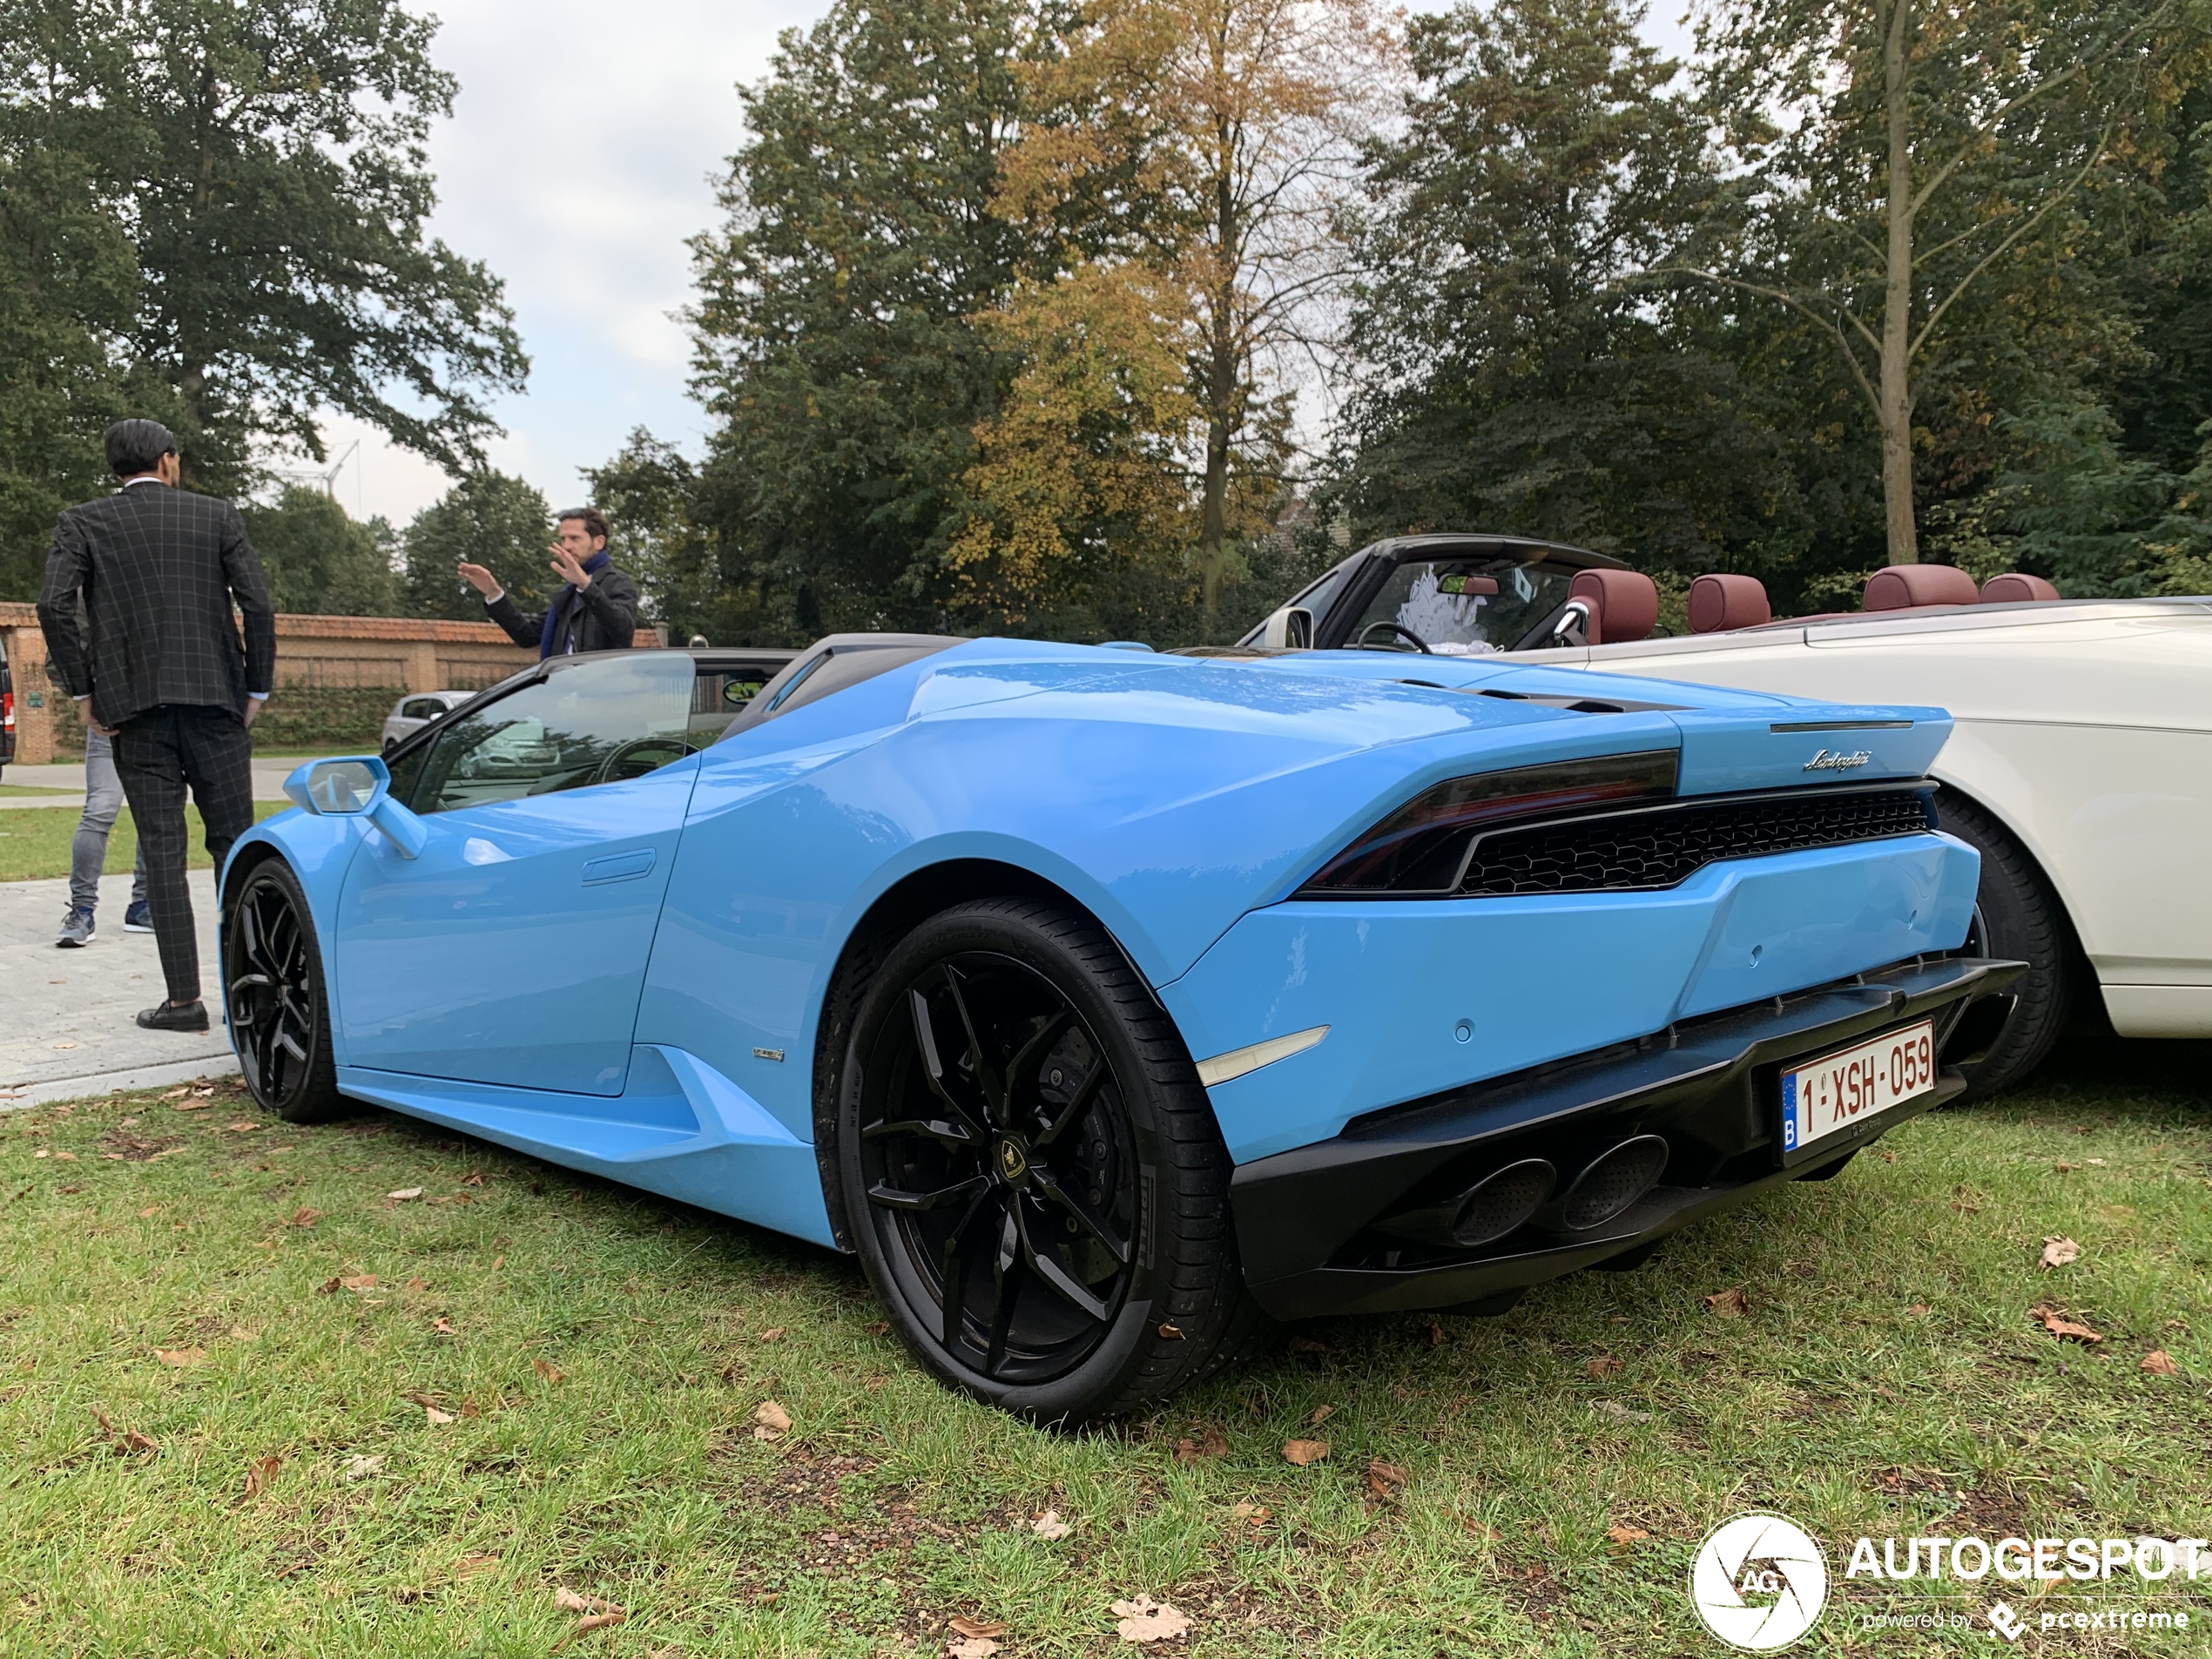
(255, 1405)
(17, 792)
(35, 842)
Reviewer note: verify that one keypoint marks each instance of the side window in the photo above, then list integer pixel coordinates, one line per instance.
(594, 723)
(423, 708)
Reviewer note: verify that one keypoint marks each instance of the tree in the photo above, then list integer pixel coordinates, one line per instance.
(1912, 164)
(1209, 143)
(487, 519)
(320, 561)
(834, 341)
(1513, 372)
(216, 213)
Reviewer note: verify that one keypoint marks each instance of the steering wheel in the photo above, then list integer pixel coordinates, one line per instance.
(624, 761)
(1398, 628)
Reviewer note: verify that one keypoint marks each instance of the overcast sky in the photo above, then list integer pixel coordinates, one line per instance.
(579, 156)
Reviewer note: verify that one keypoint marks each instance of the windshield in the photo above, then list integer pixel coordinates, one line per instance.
(1431, 602)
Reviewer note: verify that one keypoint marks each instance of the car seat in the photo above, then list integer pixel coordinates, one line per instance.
(2015, 587)
(1719, 604)
(1623, 604)
(1913, 587)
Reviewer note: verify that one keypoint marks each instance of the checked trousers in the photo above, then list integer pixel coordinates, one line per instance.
(158, 754)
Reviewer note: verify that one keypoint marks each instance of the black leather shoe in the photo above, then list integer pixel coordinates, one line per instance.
(175, 1016)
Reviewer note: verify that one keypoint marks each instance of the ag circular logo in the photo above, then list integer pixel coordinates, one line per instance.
(1758, 1583)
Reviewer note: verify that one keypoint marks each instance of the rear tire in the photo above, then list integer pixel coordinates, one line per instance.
(1021, 1132)
(2017, 918)
(274, 992)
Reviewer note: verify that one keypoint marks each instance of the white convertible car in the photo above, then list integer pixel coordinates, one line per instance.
(2081, 764)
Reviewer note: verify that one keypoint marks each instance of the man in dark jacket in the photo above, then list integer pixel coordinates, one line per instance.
(597, 610)
(161, 670)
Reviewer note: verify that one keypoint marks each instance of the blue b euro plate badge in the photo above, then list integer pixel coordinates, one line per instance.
(1789, 1111)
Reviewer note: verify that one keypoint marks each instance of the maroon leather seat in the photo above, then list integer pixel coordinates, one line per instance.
(1624, 604)
(1719, 602)
(1909, 587)
(2015, 587)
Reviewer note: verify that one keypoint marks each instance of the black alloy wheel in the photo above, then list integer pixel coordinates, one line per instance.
(279, 1014)
(1013, 1100)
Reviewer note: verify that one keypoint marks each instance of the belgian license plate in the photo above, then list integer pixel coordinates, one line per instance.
(1843, 1089)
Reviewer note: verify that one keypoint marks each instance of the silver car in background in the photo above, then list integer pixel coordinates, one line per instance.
(416, 710)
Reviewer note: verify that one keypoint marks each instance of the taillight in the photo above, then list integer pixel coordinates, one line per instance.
(7, 711)
(1421, 847)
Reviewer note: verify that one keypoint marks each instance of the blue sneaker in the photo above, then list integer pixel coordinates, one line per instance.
(76, 928)
(138, 918)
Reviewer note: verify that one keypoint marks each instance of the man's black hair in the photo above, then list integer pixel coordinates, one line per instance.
(595, 522)
(135, 447)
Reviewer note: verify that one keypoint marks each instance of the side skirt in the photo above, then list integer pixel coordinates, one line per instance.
(679, 1128)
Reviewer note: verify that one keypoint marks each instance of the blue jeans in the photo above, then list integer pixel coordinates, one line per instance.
(88, 852)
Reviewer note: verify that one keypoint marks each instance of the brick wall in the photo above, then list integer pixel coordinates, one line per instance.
(334, 674)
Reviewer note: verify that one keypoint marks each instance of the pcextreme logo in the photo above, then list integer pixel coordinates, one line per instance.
(1758, 1583)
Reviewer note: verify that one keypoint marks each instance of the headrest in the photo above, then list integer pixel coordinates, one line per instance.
(1624, 604)
(2014, 587)
(1719, 602)
(1904, 587)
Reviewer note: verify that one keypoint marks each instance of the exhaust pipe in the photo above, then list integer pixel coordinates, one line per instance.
(1608, 1183)
(1489, 1210)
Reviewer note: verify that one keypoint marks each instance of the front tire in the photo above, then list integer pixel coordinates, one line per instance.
(1037, 1189)
(280, 1012)
(2017, 918)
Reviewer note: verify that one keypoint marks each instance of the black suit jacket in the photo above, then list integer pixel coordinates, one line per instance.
(157, 571)
(602, 616)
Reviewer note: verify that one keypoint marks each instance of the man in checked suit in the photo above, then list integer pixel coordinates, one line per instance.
(163, 671)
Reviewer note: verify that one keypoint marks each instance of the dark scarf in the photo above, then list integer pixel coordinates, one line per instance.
(592, 566)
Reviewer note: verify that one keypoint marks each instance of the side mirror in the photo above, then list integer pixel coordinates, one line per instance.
(1289, 629)
(357, 786)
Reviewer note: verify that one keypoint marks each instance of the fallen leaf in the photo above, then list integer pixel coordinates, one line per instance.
(416, 1285)
(774, 1333)
(568, 1602)
(1386, 1482)
(473, 1563)
(1729, 1303)
(1310, 1344)
(438, 1418)
(1435, 1334)
(879, 1328)
(245, 1333)
(770, 1422)
(586, 1625)
(402, 1194)
(1171, 1332)
(1622, 1537)
(304, 1216)
(1618, 1413)
(547, 1369)
(180, 1358)
(260, 1473)
(1918, 1310)
(2095, 1163)
(360, 1468)
(1603, 1367)
(2159, 1363)
(472, 1179)
(62, 1045)
(190, 1106)
(1319, 1415)
(203, 1091)
(151, 1209)
(443, 1326)
(962, 1625)
(1208, 1443)
(243, 1128)
(2059, 1325)
(125, 1441)
(1481, 1529)
(1255, 1514)
(971, 1647)
(177, 1094)
(1304, 1453)
(1145, 1620)
(1048, 1525)
(2058, 1251)
(66, 1157)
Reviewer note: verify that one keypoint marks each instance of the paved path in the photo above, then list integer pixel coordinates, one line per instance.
(67, 1025)
(269, 782)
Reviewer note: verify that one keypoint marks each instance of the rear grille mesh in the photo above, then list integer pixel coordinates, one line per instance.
(1664, 847)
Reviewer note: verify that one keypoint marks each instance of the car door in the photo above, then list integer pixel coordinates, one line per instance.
(512, 949)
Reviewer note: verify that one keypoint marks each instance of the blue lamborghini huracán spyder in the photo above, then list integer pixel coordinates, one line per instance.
(1109, 1004)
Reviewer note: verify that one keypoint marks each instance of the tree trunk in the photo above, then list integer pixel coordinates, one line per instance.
(1896, 400)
